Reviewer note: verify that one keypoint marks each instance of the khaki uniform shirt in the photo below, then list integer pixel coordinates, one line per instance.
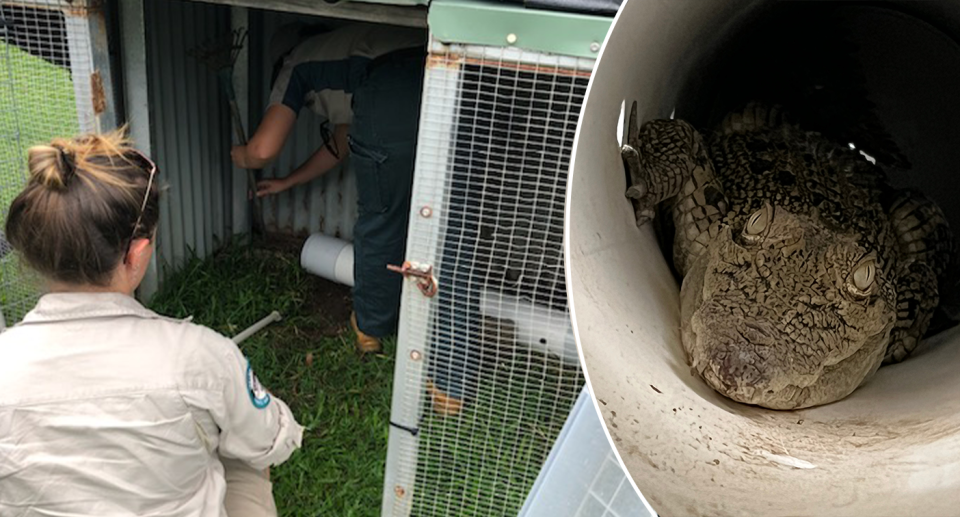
(107, 408)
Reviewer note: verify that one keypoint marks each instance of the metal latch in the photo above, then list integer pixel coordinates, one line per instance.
(422, 272)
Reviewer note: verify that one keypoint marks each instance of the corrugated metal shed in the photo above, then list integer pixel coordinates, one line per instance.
(190, 129)
(191, 136)
(327, 205)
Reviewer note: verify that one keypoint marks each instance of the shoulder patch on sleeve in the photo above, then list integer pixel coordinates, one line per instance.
(259, 396)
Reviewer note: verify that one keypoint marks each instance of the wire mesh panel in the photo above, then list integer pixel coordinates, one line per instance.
(496, 131)
(45, 68)
(610, 493)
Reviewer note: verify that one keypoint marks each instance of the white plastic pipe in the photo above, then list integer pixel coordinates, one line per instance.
(890, 448)
(541, 328)
(256, 327)
(328, 257)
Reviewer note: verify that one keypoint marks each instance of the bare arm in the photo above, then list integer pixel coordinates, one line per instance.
(267, 142)
(317, 165)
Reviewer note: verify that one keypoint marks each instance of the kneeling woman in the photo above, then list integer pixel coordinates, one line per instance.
(107, 408)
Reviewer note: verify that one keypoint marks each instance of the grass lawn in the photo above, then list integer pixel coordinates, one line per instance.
(308, 360)
(36, 104)
(481, 463)
(486, 462)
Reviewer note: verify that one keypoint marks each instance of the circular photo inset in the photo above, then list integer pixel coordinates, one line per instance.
(762, 266)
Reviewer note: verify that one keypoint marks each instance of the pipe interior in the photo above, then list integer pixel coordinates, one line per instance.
(893, 446)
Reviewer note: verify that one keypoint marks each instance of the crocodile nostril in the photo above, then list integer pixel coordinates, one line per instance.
(738, 370)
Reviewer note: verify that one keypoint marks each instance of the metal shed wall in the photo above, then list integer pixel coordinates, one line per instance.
(189, 129)
(327, 205)
(190, 134)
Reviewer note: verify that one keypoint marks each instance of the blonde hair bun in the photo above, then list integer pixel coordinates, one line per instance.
(87, 199)
(53, 165)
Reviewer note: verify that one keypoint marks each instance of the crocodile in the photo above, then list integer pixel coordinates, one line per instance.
(803, 271)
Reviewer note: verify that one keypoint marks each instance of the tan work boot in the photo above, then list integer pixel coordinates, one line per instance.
(365, 344)
(443, 404)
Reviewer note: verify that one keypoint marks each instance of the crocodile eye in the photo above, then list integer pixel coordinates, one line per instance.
(863, 278)
(757, 225)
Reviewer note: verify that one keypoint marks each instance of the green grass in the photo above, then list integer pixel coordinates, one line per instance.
(37, 103)
(486, 461)
(480, 463)
(342, 399)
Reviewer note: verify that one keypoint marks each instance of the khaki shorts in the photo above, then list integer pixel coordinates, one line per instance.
(249, 491)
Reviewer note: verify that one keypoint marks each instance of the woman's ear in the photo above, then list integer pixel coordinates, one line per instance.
(138, 254)
(134, 267)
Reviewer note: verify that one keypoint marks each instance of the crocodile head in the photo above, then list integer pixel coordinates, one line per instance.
(785, 312)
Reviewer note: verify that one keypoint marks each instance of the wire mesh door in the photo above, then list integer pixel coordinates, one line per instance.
(48, 88)
(496, 131)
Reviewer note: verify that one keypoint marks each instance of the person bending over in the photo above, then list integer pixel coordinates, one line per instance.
(364, 81)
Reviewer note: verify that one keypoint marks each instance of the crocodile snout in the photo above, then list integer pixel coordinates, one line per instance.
(738, 368)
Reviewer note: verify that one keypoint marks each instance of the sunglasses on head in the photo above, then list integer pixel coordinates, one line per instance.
(148, 165)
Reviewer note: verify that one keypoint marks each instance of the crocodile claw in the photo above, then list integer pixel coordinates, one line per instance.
(633, 129)
(644, 216)
(639, 190)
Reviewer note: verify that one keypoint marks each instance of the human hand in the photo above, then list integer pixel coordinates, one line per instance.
(239, 156)
(271, 186)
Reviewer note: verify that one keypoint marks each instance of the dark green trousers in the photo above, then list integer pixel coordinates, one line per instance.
(383, 139)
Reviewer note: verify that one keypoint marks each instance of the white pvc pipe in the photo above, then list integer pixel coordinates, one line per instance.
(328, 257)
(890, 448)
(256, 327)
(541, 328)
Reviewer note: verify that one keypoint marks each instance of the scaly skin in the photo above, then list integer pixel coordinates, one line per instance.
(803, 271)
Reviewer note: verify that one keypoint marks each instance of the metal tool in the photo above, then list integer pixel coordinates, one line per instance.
(220, 54)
